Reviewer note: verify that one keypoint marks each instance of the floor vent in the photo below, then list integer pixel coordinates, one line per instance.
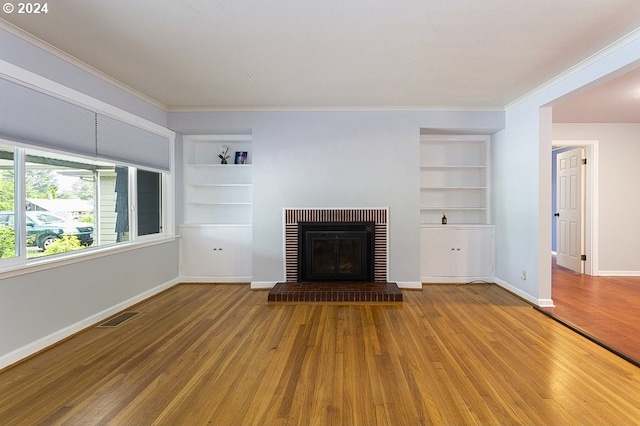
(118, 319)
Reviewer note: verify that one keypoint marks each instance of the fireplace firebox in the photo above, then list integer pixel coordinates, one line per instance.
(335, 251)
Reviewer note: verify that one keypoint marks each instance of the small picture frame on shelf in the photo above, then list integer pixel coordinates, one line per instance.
(241, 157)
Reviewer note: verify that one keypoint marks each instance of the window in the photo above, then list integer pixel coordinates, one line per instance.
(72, 203)
(149, 202)
(7, 202)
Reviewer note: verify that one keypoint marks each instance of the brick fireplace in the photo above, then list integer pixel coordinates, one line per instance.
(377, 216)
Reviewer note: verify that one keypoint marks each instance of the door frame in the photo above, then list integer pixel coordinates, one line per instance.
(591, 148)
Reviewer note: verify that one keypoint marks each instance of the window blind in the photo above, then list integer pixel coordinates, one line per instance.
(127, 144)
(35, 118)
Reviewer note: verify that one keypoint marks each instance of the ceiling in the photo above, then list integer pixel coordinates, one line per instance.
(244, 54)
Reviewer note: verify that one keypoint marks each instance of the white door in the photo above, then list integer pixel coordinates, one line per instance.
(570, 211)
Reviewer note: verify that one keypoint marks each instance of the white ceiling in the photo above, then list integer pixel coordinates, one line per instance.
(332, 53)
(613, 100)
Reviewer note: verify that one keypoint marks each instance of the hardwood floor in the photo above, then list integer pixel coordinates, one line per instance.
(220, 354)
(607, 309)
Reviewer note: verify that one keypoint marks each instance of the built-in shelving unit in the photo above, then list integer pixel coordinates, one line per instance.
(218, 198)
(214, 192)
(455, 179)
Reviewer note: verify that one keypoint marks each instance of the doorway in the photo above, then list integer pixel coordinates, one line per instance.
(590, 218)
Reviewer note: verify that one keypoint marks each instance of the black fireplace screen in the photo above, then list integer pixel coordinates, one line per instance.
(335, 251)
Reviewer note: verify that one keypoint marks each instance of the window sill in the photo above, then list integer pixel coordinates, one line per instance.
(17, 267)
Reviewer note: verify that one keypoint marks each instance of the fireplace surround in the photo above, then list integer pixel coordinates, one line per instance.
(378, 217)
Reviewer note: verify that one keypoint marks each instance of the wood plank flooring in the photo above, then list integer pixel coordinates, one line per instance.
(606, 309)
(220, 354)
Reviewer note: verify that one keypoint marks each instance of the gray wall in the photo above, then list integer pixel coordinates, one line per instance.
(25, 55)
(336, 159)
(38, 307)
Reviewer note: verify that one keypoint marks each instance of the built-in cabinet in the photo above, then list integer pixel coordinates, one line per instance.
(455, 178)
(456, 253)
(218, 200)
(216, 251)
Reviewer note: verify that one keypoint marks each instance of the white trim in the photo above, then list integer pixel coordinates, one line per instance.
(580, 66)
(455, 280)
(592, 153)
(57, 336)
(214, 279)
(262, 285)
(49, 262)
(57, 90)
(619, 273)
(329, 108)
(409, 285)
(543, 303)
(29, 38)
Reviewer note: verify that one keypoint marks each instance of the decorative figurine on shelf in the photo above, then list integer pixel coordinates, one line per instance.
(444, 219)
(224, 154)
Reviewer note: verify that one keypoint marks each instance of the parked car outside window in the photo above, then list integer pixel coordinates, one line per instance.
(43, 228)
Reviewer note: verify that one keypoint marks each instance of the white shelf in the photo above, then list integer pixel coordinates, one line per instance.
(453, 167)
(219, 185)
(210, 165)
(441, 208)
(455, 179)
(446, 188)
(217, 193)
(198, 203)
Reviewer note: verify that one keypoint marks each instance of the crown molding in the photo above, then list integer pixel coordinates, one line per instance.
(629, 38)
(49, 48)
(332, 109)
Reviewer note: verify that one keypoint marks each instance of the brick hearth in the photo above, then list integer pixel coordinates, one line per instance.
(335, 292)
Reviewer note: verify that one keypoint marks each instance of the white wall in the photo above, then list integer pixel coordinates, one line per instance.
(336, 159)
(521, 167)
(619, 198)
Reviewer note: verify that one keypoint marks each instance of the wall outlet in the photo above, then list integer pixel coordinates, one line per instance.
(524, 275)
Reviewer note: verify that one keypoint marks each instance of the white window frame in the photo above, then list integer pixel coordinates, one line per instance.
(19, 264)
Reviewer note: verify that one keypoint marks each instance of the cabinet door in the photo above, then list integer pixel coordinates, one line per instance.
(200, 252)
(234, 250)
(438, 257)
(474, 248)
(451, 252)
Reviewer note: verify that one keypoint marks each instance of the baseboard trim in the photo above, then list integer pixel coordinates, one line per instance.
(43, 343)
(409, 285)
(455, 280)
(542, 303)
(619, 273)
(210, 279)
(262, 285)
